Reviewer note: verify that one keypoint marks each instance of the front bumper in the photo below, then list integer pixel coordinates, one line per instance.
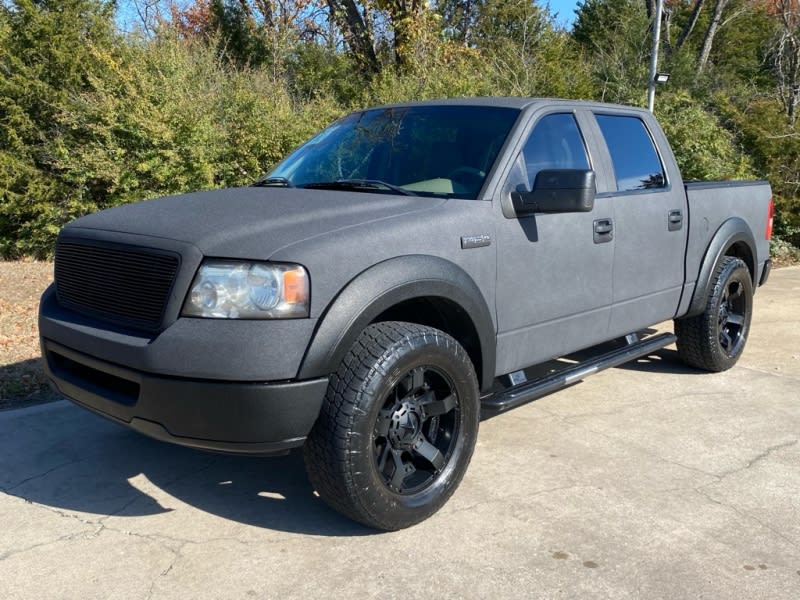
(223, 416)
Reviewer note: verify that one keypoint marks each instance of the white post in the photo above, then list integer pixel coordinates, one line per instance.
(651, 86)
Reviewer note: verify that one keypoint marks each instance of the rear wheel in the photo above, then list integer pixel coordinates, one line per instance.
(397, 428)
(714, 340)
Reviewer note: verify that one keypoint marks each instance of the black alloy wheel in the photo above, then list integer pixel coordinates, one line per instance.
(397, 428)
(416, 430)
(715, 339)
(732, 316)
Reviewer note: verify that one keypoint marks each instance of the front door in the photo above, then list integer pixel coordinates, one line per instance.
(554, 271)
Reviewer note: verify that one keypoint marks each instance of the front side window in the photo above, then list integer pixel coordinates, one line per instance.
(635, 160)
(425, 150)
(554, 143)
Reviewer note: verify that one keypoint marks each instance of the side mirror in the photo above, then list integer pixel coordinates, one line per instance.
(557, 191)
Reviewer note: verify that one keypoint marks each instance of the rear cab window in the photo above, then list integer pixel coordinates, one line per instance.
(636, 163)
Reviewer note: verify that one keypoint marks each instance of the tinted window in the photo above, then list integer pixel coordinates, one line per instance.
(554, 143)
(436, 150)
(636, 163)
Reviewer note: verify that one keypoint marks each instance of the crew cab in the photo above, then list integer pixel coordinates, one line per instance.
(401, 272)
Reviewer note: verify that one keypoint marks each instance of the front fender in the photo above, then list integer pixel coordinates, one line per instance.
(384, 285)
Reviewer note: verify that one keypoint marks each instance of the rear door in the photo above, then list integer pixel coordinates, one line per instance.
(650, 222)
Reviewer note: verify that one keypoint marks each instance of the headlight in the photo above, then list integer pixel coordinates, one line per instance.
(248, 290)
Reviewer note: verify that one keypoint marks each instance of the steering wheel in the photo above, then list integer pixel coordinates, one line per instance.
(467, 176)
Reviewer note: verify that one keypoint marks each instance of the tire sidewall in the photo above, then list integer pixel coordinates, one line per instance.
(734, 270)
(445, 356)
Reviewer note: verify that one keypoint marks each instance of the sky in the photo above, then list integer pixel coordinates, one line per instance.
(565, 10)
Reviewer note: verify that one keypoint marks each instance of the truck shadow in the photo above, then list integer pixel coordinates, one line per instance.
(665, 360)
(66, 458)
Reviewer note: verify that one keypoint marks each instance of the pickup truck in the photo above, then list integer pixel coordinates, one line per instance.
(407, 270)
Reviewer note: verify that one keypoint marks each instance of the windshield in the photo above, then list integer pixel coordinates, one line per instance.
(424, 150)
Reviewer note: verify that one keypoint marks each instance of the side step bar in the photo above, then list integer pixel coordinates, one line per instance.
(531, 390)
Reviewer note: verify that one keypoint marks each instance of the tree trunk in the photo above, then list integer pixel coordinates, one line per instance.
(786, 59)
(403, 15)
(687, 29)
(708, 40)
(666, 27)
(466, 22)
(356, 33)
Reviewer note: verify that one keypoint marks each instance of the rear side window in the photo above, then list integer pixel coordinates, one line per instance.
(636, 162)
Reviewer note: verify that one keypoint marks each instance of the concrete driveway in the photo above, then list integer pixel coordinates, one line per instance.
(648, 481)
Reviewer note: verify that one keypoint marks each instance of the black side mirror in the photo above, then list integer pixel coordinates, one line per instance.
(557, 191)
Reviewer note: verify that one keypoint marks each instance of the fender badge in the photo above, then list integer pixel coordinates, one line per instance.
(475, 241)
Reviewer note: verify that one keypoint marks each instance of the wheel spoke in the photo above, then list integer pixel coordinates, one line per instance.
(413, 381)
(430, 453)
(401, 470)
(436, 408)
(735, 319)
(735, 290)
(725, 339)
(417, 378)
(383, 423)
(384, 455)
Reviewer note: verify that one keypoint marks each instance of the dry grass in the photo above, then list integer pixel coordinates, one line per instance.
(21, 379)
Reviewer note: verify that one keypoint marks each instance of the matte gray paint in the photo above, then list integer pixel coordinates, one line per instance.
(228, 350)
(732, 231)
(336, 259)
(712, 204)
(250, 222)
(547, 287)
(648, 273)
(388, 284)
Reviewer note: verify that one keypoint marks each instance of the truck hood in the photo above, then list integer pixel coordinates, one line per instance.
(250, 222)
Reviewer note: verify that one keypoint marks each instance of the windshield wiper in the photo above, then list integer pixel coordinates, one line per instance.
(272, 182)
(360, 184)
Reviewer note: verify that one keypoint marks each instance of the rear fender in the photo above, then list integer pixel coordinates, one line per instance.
(734, 231)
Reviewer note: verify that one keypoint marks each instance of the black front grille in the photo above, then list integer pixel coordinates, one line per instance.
(126, 285)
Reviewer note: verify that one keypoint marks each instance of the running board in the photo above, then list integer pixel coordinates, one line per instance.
(531, 390)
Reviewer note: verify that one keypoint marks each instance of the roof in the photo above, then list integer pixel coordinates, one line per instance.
(505, 102)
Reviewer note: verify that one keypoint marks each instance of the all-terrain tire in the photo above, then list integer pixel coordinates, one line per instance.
(714, 340)
(397, 428)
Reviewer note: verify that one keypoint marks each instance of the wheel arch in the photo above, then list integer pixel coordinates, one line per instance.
(417, 288)
(733, 238)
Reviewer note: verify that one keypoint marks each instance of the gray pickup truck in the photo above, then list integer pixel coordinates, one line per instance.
(406, 269)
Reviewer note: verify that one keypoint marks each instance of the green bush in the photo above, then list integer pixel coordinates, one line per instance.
(92, 118)
(703, 148)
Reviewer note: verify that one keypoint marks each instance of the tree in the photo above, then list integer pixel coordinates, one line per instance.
(711, 31)
(614, 34)
(354, 25)
(786, 56)
(50, 51)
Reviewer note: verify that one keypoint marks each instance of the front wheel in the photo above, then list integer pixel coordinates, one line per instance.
(714, 340)
(397, 428)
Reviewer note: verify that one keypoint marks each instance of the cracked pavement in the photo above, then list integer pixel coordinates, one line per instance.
(646, 481)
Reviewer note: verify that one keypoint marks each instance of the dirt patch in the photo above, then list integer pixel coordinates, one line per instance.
(21, 379)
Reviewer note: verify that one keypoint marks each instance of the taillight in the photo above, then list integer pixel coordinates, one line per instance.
(770, 219)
